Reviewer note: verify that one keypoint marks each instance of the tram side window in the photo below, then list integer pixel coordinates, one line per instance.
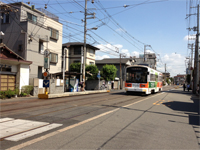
(159, 78)
(152, 77)
(156, 78)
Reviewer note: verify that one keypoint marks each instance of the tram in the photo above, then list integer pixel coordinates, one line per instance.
(143, 79)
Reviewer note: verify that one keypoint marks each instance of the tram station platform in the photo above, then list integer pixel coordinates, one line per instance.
(47, 96)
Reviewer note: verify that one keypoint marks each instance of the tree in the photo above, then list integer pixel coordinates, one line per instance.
(109, 72)
(91, 72)
(75, 67)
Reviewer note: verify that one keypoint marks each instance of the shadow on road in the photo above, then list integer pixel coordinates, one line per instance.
(191, 109)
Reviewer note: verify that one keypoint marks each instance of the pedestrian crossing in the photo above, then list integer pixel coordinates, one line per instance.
(18, 129)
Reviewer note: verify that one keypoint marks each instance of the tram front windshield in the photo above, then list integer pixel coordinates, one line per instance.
(136, 75)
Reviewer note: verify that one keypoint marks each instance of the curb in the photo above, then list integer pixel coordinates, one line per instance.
(66, 94)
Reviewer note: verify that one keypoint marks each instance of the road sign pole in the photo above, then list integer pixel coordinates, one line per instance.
(99, 80)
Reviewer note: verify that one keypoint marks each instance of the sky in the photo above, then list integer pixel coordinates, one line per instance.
(125, 26)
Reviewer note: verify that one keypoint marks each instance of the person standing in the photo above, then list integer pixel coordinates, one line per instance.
(184, 86)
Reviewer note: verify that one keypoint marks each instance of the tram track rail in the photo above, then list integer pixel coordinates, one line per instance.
(84, 113)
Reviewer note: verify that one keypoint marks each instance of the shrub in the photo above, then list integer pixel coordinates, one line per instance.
(93, 70)
(9, 93)
(109, 72)
(23, 94)
(27, 89)
(2, 95)
(16, 91)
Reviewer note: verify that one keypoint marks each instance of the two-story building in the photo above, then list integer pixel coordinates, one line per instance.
(28, 32)
(73, 53)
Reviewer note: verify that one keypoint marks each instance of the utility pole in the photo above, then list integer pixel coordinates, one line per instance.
(84, 49)
(85, 31)
(121, 81)
(64, 59)
(81, 71)
(191, 55)
(196, 61)
(165, 73)
(145, 50)
(120, 72)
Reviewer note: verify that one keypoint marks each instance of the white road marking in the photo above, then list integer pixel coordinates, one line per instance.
(33, 132)
(5, 119)
(17, 126)
(70, 127)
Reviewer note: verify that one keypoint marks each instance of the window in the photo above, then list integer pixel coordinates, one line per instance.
(6, 18)
(40, 72)
(32, 17)
(41, 47)
(54, 33)
(77, 50)
(136, 75)
(91, 52)
(77, 61)
(152, 77)
(53, 58)
(91, 63)
(20, 48)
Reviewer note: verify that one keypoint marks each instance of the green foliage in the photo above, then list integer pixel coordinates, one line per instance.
(9, 93)
(109, 72)
(27, 89)
(75, 67)
(2, 95)
(92, 69)
(23, 94)
(16, 91)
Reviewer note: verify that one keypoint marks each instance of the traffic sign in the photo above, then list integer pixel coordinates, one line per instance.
(45, 83)
(46, 53)
(98, 76)
(45, 74)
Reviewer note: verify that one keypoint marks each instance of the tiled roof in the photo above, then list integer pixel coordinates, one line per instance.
(79, 43)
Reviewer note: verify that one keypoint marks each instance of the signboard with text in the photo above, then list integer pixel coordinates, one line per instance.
(46, 62)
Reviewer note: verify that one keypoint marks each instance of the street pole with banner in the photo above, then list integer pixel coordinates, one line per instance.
(46, 67)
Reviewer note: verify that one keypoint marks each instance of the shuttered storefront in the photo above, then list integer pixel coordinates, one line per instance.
(7, 82)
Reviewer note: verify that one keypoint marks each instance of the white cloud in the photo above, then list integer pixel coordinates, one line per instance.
(98, 57)
(112, 48)
(175, 64)
(135, 53)
(119, 30)
(148, 51)
(190, 37)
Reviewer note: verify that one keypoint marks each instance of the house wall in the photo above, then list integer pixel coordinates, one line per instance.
(90, 56)
(14, 35)
(55, 46)
(71, 57)
(33, 48)
(24, 75)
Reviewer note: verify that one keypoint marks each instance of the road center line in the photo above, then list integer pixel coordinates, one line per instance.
(70, 127)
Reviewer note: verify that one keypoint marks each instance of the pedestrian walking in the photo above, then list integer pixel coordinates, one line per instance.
(188, 87)
(184, 86)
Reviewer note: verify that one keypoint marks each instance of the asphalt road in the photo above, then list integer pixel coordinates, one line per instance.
(166, 120)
